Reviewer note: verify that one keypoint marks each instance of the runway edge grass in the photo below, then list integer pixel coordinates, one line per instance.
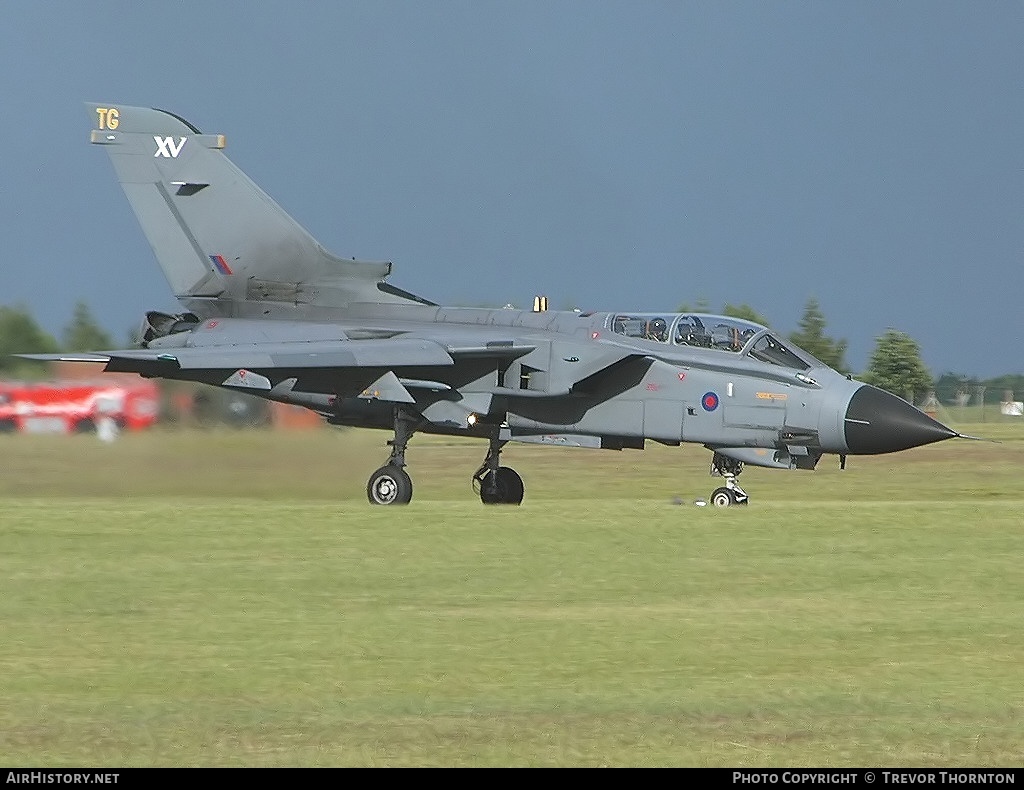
(596, 625)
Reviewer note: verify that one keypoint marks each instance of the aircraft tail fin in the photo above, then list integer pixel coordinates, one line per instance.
(216, 234)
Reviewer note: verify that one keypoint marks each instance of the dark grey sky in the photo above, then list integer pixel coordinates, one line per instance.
(612, 155)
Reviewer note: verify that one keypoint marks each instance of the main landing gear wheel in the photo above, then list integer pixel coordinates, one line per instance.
(503, 486)
(389, 485)
(496, 484)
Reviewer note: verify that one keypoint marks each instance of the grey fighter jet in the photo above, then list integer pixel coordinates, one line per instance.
(267, 310)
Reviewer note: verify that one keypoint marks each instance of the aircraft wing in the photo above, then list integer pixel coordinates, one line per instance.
(322, 354)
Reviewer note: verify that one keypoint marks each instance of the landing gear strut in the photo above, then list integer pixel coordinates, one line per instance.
(498, 485)
(730, 493)
(391, 484)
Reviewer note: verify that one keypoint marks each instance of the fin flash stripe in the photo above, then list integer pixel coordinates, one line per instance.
(220, 264)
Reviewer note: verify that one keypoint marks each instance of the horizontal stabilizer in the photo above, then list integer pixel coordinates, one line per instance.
(85, 356)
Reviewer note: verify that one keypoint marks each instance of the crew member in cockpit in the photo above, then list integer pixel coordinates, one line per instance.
(657, 329)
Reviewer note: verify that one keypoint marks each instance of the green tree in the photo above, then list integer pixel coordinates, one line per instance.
(83, 333)
(896, 366)
(20, 334)
(746, 312)
(997, 388)
(811, 337)
(702, 306)
(956, 388)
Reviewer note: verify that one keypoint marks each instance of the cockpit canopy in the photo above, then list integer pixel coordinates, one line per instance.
(717, 332)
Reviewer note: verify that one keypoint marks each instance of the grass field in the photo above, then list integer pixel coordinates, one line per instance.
(230, 598)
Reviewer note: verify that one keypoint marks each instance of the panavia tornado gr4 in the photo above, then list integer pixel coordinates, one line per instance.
(267, 310)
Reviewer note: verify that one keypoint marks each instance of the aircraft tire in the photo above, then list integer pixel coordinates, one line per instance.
(722, 497)
(508, 489)
(389, 485)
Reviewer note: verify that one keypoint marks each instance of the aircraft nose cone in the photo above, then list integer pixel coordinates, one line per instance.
(879, 422)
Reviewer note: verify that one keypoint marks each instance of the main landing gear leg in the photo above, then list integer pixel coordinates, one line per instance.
(730, 493)
(498, 485)
(391, 484)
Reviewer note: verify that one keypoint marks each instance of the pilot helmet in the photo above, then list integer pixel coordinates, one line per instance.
(657, 327)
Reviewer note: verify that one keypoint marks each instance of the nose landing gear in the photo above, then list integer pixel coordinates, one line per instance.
(730, 493)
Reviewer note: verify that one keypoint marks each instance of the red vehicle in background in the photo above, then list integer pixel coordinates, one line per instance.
(76, 406)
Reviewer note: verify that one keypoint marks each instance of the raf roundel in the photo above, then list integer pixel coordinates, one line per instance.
(709, 401)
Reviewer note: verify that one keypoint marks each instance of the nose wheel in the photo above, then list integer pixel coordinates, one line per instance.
(725, 497)
(731, 493)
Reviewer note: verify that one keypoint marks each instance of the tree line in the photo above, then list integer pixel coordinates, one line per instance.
(895, 364)
(21, 334)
